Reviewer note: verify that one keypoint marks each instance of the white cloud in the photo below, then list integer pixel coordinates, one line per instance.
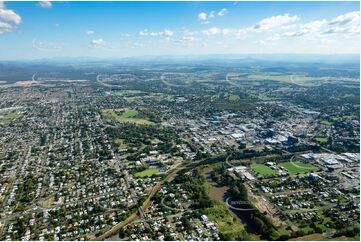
(5, 27)
(47, 46)
(238, 33)
(202, 16)
(211, 31)
(270, 40)
(143, 33)
(45, 4)
(187, 32)
(265, 25)
(96, 43)
(9, 20)
(9, 15)
(90, 32)
(135, 45)
(2, 4)
(352, 17)
(273, 22)
(308, 28)
(166, 33)
(294, 34)
(187, 39)
(211, 14)
(227, 31)
(314, 25)
(340, 30)
(223, 12)
(348, 23)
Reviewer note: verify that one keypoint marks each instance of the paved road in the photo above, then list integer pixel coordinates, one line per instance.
(145, 205)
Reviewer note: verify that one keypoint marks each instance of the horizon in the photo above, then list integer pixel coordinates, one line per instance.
(243, 56)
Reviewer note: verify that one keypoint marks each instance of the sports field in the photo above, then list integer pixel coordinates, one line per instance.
(321, 139)
(298, 167)
(147, 172)
(7, 118)
(263, 170)
(127, 116)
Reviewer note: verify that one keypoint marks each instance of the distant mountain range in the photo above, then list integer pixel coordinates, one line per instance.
(289, 58)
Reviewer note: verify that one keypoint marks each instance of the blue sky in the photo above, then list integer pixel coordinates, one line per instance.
(31, 30)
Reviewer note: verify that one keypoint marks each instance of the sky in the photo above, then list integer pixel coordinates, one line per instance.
(36, 30)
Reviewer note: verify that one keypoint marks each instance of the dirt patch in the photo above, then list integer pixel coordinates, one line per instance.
(217, 192)
(264, 206)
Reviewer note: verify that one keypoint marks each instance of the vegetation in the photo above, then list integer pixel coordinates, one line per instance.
(263, 170)
(229, 226)
(147, 172)
(8, 117)
(124, 116)
(321, 139)
(298, 167)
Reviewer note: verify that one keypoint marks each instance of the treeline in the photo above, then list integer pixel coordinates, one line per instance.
(193, 184)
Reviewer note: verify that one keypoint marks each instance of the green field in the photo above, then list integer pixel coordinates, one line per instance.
(122, 92)
(7, 118)
(298, 167)
(120, 143)
(263, 170)
(127, 116)
(295, 79)
(321, 140)
(232, 97)
(326, 122)
(129, 113)
(228, 225)
(147, 172)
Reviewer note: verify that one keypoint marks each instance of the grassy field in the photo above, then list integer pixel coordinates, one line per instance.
(322, 237)
(321, 140)
(263, 170)
(298, 167)
(232, 97)
(326, 122)
(296, 79)
(48, 202)
(129, 113)
(127, 116)
(122, 92)
(228, 224)
(120, 143)
(7, 118)
(147, 172)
